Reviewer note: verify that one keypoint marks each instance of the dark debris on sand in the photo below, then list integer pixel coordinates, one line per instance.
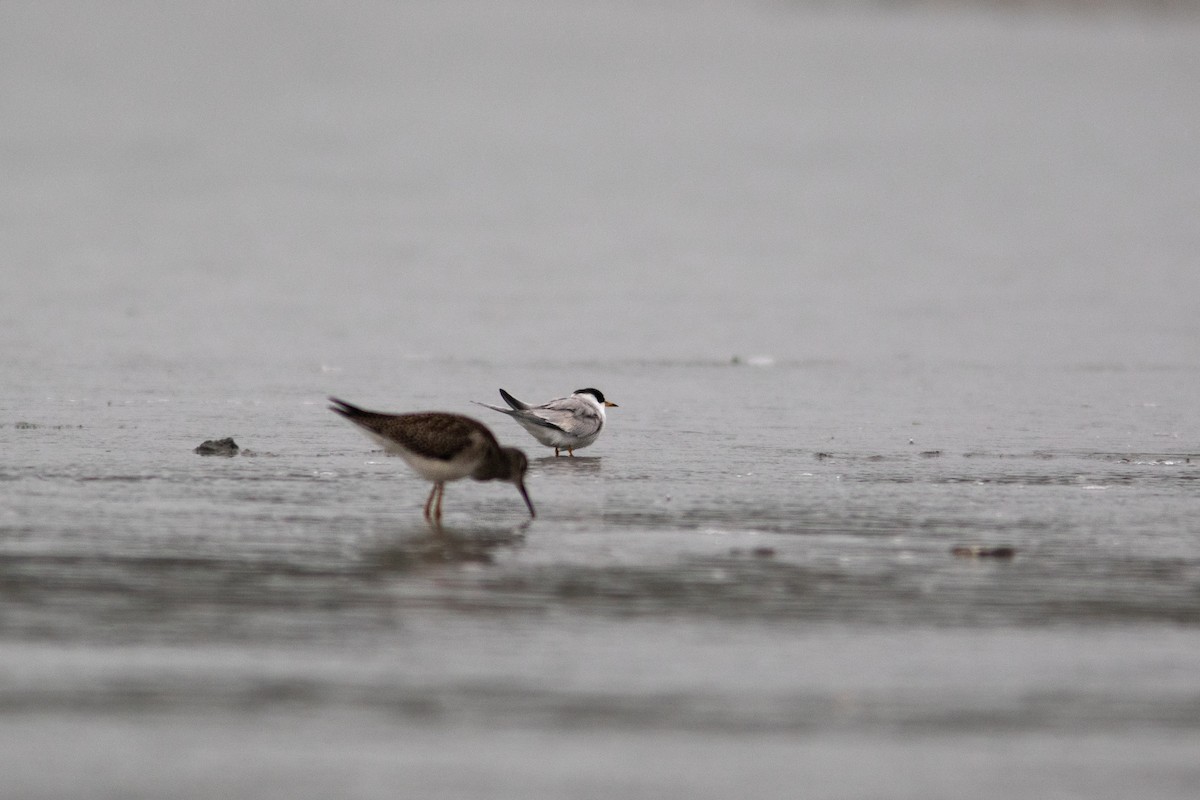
(218, 447)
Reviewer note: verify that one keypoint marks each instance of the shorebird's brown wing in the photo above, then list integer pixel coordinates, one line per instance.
(432, 434)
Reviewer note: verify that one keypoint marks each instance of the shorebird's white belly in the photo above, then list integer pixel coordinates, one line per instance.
(437, 469)
(431, 469)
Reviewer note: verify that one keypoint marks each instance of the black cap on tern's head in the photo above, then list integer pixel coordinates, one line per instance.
(599, 395)
(517, 465)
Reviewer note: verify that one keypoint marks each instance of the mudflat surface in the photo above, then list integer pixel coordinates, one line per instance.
(869, 285)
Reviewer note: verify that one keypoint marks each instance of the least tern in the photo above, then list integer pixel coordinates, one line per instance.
(441, 447)
(565, 423)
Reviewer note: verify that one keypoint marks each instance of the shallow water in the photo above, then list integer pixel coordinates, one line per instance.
(868, 287)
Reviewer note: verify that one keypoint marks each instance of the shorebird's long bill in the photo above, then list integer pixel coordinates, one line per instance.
(525, 497)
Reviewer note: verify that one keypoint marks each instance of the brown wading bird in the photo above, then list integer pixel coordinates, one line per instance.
(441, 447)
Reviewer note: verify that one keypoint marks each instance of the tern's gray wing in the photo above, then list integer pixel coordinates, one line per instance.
(519, 405)
(517, 413)
(568, 414)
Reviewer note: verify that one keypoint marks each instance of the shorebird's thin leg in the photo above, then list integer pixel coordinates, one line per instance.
(571, 452)
(429, 502)
(556, 452)
(437, 514)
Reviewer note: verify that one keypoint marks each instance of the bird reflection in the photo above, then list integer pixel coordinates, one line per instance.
(579, 465)
(444, 546)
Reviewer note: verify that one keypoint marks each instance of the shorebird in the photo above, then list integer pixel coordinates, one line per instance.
(565, 423)
(441, 447)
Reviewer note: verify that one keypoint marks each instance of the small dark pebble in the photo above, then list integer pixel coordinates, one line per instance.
(980, 551)
(217, 447)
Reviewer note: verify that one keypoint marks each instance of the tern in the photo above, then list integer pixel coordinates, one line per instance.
(565, 423)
